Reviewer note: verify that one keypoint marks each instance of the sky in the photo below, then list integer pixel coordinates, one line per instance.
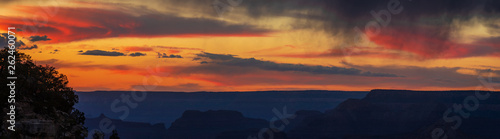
(254, 45)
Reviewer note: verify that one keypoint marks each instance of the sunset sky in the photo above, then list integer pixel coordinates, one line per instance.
(247, 45)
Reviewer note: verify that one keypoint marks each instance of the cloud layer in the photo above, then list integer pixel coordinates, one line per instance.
(78, 23)
(39, 38)
(231, 60)
(102, 53)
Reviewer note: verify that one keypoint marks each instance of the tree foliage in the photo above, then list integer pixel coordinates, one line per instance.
(44, 91)
(114, 135)
(98, 135)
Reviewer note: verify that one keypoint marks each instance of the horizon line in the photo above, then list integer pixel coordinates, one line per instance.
(166, 91)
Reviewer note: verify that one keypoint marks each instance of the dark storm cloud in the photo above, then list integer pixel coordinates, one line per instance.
(39, 38)
(232, 61)
(349, 10)
(355, 9)
(340, 17)
(427, 24)
(102, 53)
(423, 28)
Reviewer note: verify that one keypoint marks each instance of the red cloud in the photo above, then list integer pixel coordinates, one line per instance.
(424, 43)
(418, 43)
(429, 43)
(72, 24)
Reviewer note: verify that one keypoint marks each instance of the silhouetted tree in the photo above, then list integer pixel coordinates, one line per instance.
(43, 94)
(114, 135)
(98, 135)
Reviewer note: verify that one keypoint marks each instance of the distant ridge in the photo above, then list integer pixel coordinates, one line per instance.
(290, 91)
(381, 113)
(127, 129)
(403, 114)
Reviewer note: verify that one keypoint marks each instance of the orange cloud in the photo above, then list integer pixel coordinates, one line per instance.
(173, 51)
(135, 48)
